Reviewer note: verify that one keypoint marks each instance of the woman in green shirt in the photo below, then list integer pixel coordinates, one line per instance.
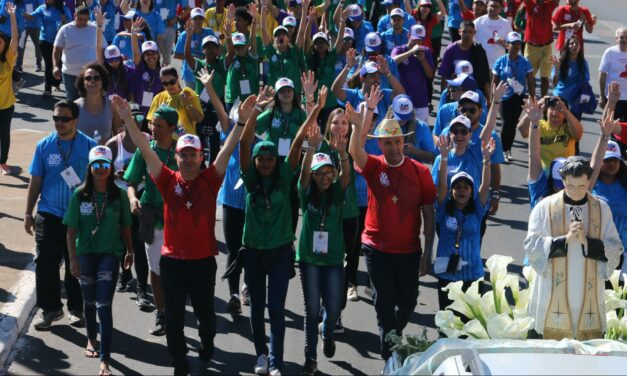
(268, 235)
(98, 216)
(321, 244)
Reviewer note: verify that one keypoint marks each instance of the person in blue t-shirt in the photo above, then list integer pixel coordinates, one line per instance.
(397, 35)
(459, 214)
(59, 165)
(31, 28)
(569, 71)
(385, 21)
(194, 24)
(359, 26)
(419, 143)
(373, 49)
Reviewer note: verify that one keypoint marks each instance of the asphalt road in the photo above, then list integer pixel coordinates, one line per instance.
(59, 351)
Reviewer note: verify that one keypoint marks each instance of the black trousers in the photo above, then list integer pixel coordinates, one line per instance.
(233, 227)
(180, 279)
(51, 249)
(46, 52)
(6, 116)
(351, 253)
(140, 260)
(454, 34)
(510, 112)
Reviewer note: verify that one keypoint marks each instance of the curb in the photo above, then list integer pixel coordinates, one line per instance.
(17, 313)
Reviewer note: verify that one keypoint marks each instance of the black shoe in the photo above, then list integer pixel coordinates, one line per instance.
(159, 328)
(205, 352)
(328, 347)
(310, 368)
(181, 368)
(142, 300)
(234, 306)
(123, 280)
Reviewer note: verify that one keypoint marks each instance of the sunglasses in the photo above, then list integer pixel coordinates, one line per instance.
(458, 131)
(61, 119)
(98, 165)
(328, 174)
(92, 78)
(468, 110)
(169, 83)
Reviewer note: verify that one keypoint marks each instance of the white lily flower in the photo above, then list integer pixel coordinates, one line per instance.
(449, 324)
(523, 299)
(504, 327)
(530, 274)
(614, 281)
(497, 265)
(512, 281)
(612, 320)
(474, 329)
(460, 306)
(454, 290)
(623, 326)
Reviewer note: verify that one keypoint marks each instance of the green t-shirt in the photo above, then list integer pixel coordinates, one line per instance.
(241, 70)
(438, 29)
(138, 170)
(219, 78)
(351, 210)
(290, 64)
(81, 215)
(268, 218)
(279, 124)
(325, 74)
(312, 221)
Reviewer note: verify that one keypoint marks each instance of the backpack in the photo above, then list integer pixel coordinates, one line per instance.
(585, 100)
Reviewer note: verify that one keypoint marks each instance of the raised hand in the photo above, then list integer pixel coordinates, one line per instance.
(608, 124)
(314, 136)
(246, 108)
(384, 69)
(100, 18)
(189, 27)
(499, 91)
(265, 97)
(375, 96)
(138, 25)
(10, 7)
(444, 144)
(351, 57)
(487, 149)
(613, 92)
(532, 110)
(205, 77)
(309, 83)
(121, 107)
(353, 116)
(339, 143)
(252, 9)
(322, 96)
(230, 12)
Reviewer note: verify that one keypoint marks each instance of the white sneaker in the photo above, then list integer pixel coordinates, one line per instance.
(351, 293)
(244, 298)
(275, 372)
(261, 368)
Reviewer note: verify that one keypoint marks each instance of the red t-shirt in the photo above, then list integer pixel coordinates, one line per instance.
(189, 213)
(623, 133)
(539, 28)
(511, 11)
(468, 15)
(565, 14)
(395, 227)
(427, 24)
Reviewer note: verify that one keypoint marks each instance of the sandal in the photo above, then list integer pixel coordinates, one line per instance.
(91, 353)
(104, 370)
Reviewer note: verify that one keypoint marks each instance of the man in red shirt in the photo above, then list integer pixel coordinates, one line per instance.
(539, 37)
(188, 265)
(570, 20)
(399, 189)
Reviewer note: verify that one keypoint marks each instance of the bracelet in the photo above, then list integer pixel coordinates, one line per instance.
(497, 102)
(605, 138)
(343, 159)
(486, 161)
(241, 124)
(388, 74)
(371, 108)
(28, 215)
(534, 126)
(312, 102)
(258, 108)
(444, 159)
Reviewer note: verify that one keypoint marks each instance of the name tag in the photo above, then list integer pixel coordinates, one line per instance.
(204, 96)
(244, 87)
(147, 98)
(321, 242)
(29, 8)
(164, 12)
(284, 146)
(70, 178)
(116, 22)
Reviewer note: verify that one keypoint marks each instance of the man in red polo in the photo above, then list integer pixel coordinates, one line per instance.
(399, 190)
(571, 19)
(539, 37)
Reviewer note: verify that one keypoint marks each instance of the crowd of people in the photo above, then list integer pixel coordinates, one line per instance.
(282, 107)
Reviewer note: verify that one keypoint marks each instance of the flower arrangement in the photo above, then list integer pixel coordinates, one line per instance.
(615, 306)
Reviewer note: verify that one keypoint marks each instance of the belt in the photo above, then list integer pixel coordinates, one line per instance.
(539, 45)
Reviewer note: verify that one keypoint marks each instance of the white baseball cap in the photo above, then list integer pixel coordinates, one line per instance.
(349, 33)
(612, 151)
(556, 166)
(397, 12)
(513, 36)
(238, 39)
(149, 46)
(368, 68)
(129, 15)
(210, 39)
(417, 32)
(320, 35)
(283, 82)
(289, 21)
(470, 96)
(278, 29)
(463, 176)
(355, 13)
(463, 66)
(100, 153)
(188, 141)
(461, 119)
(373, 42)
(425, 2)
(320, 160)
(363, 105)
(403, 108)
(112, 53)
(197, 12)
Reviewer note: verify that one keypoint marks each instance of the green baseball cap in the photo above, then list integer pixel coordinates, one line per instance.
(168, 114)
(265, 148)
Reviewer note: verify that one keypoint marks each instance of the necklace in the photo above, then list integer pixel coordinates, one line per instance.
(99, 212)
(394, 187)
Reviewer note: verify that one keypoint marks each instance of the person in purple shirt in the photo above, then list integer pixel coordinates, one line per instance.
(416, 69)
(120, 75)
(147, 65)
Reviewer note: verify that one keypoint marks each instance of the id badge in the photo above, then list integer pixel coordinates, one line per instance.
(238, 184)
(70, 178)
(321, 242)
(116, 22)
(244, 87)
(204, 96)
(29, 8)
(147, 98)
(192, 4)
(284, 146)
(440, 264)
(165, 12)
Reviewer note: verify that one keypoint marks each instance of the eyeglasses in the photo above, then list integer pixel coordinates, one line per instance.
(328, 174)
(468, 110)
(98, 165)
(61, 119)
(92, 78)
(169, 83)
(457, 131)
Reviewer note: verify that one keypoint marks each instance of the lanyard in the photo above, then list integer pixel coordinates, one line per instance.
(325, 211)
(66, 157)
(285, 122)
(458, 233)
(99, 212)
(154, 147)
(152, 74)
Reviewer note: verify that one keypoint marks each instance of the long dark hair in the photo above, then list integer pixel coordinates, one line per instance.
(259, 190)
(276, 110)
(564, 58)
(7, 42)
(621, 175)
(315, 195)
(119, 73)
(87, 189)
(450, 202)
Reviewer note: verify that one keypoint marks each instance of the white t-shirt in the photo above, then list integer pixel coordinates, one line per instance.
(487, 31)
(79, 46)
(614, 63)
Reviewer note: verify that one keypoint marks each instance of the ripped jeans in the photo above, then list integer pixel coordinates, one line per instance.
(99, 273)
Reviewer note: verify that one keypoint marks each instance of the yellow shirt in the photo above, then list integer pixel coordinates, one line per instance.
(6, 81)
(214, 20)
(555, 142)
(185, 125)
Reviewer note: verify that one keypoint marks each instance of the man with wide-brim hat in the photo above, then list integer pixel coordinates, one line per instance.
(399, 190)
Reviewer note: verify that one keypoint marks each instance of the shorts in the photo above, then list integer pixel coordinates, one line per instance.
(540, 59)
(153, 252)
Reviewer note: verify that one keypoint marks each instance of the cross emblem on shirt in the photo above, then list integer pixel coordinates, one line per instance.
(188, 204)
(394, 199)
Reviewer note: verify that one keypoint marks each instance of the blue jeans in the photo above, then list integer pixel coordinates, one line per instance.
(326, 282)
(99, 273)
(395, 280)
(276, 264)
(71, 92)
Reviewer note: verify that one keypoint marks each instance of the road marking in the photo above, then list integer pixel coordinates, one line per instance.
(29, 130)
